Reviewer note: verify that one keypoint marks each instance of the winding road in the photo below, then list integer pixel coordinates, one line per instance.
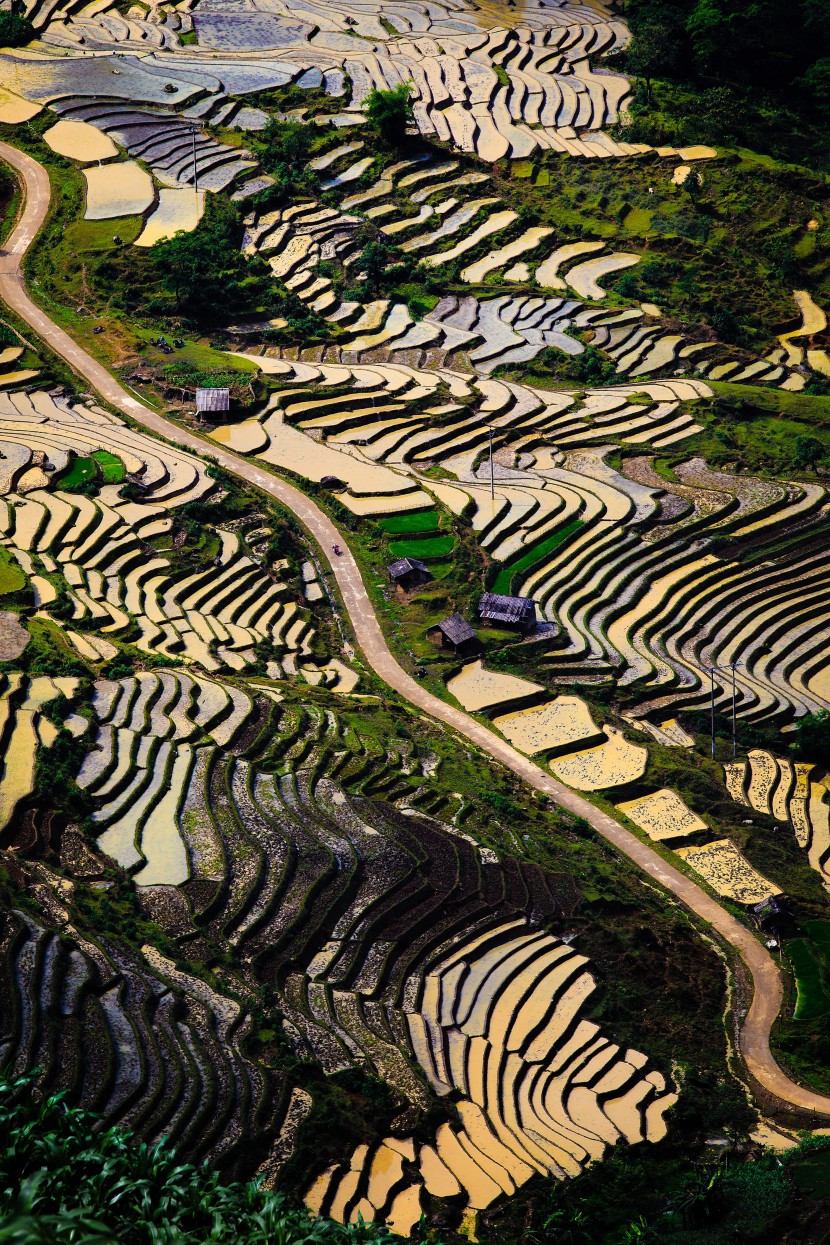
(766, 977)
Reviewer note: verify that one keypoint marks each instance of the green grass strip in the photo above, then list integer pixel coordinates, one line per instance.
(80, 471)
(12, 578)
(419, 521)
(813, 1000)
(504, 579)
(112, 468)
(429, 547)
(809, 408)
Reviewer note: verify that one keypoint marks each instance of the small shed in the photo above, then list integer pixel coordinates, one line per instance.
(771, 913)
(455, 633)
(212, 401)
(513, 613)
(409, 573)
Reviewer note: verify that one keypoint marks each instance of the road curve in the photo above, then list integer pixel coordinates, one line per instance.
(766, 977)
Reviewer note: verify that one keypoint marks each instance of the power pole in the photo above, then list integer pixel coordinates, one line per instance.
(733, 666)
(734, 715)
(492, 476)
(195, 165)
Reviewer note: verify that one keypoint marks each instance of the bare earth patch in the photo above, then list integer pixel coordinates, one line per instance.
(13, 637)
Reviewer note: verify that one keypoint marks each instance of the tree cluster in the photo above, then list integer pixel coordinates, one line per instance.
(15, 29)
(770, 45)
(208, 280)
(388, 113)
(205, 270)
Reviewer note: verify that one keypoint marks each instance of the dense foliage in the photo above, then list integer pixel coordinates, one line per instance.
(619, 1202)
(209, 280)
(390, 112)
(812, 738)
(764, 43)
(206, 269)
(15, 30)
(66, 1179)
(759, 71)
(283, 151)
(589, 368)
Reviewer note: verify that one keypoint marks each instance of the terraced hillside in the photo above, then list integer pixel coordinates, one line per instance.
(438, 213)
(273, 847)
(109, 570)
(657, 575)
(253, 897)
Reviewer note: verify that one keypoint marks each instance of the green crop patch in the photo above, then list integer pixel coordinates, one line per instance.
(86, 236)
(112, 468)
(504, 579)
(79, 472)
(813, 998)
(419, 521)
(12, 578)
(430, 547)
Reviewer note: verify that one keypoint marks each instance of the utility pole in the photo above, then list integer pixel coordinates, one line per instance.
(734, 715)
(732, 665)
(492, 476)
(195, 165)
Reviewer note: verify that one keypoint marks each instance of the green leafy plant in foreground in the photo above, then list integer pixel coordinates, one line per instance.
(66, 1180)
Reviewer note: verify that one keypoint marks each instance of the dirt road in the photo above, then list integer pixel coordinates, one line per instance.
(766, 977)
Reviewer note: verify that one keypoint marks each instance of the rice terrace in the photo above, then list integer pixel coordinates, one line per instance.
(414, 622)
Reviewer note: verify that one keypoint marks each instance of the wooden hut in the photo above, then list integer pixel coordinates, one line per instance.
(511, 613)
(409, 573)
(213, 401)
(455, 633)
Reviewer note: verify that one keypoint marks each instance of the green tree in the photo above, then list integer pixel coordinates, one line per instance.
(373, 263)
(284, 150)
(15, 30)
(205, 270)
(808, 451)
(286, 141)
(654, 51)
(816, 85)
(812, 738)
(390, 112)
(693, 184)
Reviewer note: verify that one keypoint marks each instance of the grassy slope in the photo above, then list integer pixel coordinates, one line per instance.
(742, 248)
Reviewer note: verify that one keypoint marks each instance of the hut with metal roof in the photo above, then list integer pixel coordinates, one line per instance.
(409, 573)
(455, 633)
(212, 401)
(512, 613)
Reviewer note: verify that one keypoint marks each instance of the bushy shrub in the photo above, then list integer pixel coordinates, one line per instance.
(390, 112)
(15, 30)
(812, 738)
